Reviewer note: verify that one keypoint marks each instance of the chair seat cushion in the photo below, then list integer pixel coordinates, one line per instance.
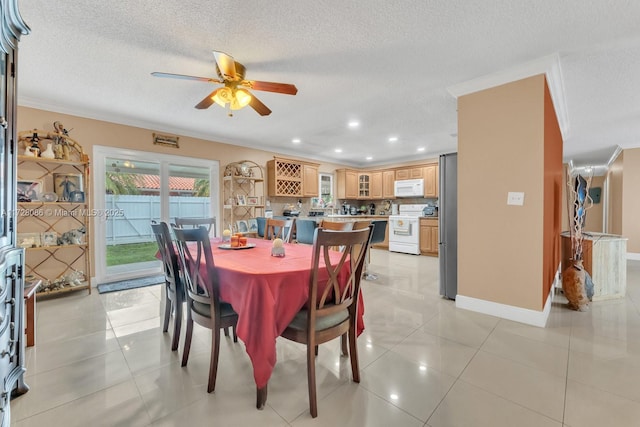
(204, 310)
(322, 322)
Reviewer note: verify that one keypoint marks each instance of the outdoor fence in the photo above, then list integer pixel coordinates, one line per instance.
(132, 223)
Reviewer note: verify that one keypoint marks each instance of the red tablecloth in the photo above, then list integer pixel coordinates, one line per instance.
(266, 292)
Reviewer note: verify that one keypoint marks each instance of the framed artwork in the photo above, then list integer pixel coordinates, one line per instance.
(29, 240)
(242, 200)
(77, 196)
(66, 183)
(28, 191)
(251, 200)
(252, 223)
(49, 238)
(242, 226)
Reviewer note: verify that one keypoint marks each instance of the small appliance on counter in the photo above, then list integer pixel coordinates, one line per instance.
(430, 211)
(346, 209)
(372, 209)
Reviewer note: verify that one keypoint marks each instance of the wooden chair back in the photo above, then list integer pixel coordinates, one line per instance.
(278, 228)
(336, 225)
(209, 223)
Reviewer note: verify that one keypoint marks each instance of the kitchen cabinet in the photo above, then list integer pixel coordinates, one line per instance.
(347, 184)
(429, 237)
(375, 185)
(430, 175)
(310, 181)
(388, 186)
(242, 192)
(364, 190)
(409, 173)
(286, 177)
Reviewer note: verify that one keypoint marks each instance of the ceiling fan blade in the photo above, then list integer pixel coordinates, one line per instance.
(185, 77)
(226, 64)
(285, 88)
(208, 101)
(257, 105)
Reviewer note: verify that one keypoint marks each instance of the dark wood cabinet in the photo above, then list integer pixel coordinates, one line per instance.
(12, 339)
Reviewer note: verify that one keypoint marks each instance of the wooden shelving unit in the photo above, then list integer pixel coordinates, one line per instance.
(55, 232)
(243, 193)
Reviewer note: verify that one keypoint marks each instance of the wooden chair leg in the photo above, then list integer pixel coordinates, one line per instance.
(345, 349)
(215, 352)
(316, 350)
(353, 350)
(235, 335)
(311, 380)
(226, 332)
(167, 312)
(177, 323)
(187, 341)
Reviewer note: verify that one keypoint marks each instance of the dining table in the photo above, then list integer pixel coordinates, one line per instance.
(267, 291)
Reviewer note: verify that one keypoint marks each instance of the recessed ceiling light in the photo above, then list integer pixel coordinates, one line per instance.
(354, 124)
(296, 140)
(338, 150)
(393, 139)
(369, 158)
(421, 148)
(394, 396)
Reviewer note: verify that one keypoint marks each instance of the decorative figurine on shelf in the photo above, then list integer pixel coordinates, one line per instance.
(277, 248)
(48, 152)
(72, 237)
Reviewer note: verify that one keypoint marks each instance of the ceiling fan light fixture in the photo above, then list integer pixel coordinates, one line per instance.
(223, 96)
(241, 99)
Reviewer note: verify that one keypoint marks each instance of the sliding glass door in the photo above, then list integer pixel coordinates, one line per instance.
(132, 190)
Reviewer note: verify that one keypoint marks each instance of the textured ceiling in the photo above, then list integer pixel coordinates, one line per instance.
(387, 64)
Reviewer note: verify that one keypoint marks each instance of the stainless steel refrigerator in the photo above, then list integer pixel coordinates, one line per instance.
(448, 225)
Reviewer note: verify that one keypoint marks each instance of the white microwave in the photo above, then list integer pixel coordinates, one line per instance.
(409, 188)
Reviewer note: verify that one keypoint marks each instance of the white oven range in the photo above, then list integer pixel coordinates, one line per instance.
(404, 229)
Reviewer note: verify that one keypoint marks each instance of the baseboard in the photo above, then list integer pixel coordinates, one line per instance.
(633, 256)
(510, 312)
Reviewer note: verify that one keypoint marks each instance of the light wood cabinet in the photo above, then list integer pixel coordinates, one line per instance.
(429, 237)
(310, 182)
(364, 190)
(430, 175)
(388, 184)
(286, 177)
(409, 173)
(347, 184)
(375, 185)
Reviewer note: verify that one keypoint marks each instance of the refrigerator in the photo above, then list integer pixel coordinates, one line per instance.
(448, 225)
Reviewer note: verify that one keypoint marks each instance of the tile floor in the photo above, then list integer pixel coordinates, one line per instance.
(101, 360)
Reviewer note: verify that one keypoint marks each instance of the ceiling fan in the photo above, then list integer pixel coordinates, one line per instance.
(234, 92)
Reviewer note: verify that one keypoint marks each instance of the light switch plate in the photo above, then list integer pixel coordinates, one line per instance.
(515, 198)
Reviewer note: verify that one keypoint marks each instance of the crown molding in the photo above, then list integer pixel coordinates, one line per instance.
(547, 65)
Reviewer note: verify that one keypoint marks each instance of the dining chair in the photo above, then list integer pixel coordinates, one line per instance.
(336, 225)
(305, 229)
(331, 310)
(173, 280)
(209, 223)
(379, 229)
(278, 228)
(204, 306)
